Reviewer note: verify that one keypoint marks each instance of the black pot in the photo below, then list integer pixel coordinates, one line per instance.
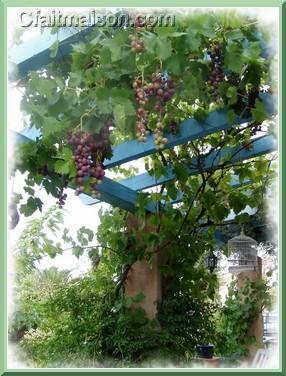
(205, 351)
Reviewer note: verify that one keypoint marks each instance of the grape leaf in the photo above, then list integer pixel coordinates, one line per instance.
(65, 154)
(163, 48)
(237, 201)
(84, 235)
(62, 167)
(149, 42)
(232, 94)
(115, 45)
(77, 251)
(65, 164)
(50, 126)
(174, 65)
(33, 203)
(259, 113)
(235, 35)
(232, 58)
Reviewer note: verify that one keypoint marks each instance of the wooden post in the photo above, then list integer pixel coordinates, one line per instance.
(144, 277)
(256, 328)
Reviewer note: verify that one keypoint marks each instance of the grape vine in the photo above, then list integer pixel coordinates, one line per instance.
(147, 79)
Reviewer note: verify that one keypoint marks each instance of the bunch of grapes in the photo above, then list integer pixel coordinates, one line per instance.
(142, 94)
(89, 151)
(62, 196)
(216, 75)
(160, 91)
(160, 141)
(163, 87)
(137, 43)
(142, 120)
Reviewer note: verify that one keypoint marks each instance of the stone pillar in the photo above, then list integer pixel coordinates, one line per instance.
(145, 277)
(256, 328)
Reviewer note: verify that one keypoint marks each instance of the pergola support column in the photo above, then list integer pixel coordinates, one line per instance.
(145, 277)
(256, 328)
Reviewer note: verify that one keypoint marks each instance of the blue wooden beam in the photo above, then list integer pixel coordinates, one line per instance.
(125, 190)
(18, 138)
(189, 130)
(260, 146)
(36, 53)
(120, 196)
(235, 182)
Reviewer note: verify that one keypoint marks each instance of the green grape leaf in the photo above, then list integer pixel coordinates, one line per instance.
(149, 42)
(163, 48)
(103, 101)
(219, 212)
(174, 65)
(33, 203)
(231, 94)
(119, 116)
(77, 251)
(235, 35)
(259, 113)
(237, 201)
(65, 154)
(50, 126)
(172, 191)
(233, 57)
(62, 167)
(84, 235)
(116, 44)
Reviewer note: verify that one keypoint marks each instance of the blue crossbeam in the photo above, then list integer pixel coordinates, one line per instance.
(235, 182)
(36, 53)
(260, 146)
(190, 129)
(120, 196)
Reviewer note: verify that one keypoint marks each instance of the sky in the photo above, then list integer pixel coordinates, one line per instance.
(78, 213)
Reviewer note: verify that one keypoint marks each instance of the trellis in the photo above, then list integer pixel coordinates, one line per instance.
(124, 193)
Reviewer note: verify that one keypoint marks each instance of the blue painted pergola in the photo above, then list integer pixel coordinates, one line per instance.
(35, 54)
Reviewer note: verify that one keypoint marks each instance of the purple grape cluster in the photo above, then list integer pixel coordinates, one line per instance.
(163, 87)
(216, 74)
(160, 91)
(137, 44)
(89, 151)
(62, 197)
